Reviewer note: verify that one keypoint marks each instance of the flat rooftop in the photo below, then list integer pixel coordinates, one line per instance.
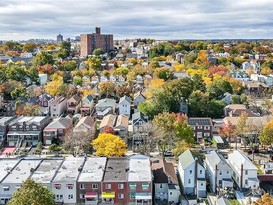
(22, 171)
(93, 170)
(69, 169)
(6, 165)
(46, 170)
(116, 169)
(139, 169)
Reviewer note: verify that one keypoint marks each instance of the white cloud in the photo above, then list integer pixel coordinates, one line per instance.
(162, 19)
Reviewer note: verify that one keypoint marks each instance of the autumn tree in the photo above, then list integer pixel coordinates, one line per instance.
(32, 193)
(266, 135)
(241, 127)
(98, 52)
(218, 87)
(163, 73)
(109, 145)
(121, 71)
(107, 88)
(94, 63)
(227, 131)
(27, 110)
(43, 58)
(264, 200)
(54, 88)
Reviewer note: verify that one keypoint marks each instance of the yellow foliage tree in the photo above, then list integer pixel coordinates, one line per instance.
(178, 67)
(249, 71)
(266, 71)
(54, 87)
(154, 85)
(202, 58)
(86, 92)
(264, 200)
(109, 145)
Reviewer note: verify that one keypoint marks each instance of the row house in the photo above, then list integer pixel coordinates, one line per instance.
(139, 128)
(140, 186)
(119, 123)
(218, 172)
(16, 176)
(87, 106)
(105, 106)
(74, 104)
(57, 130)
(202, 127)
(90, 181)
(4, 124)
(114, 185)
(7, 165)
(64, 184)
(244, 171)
(192, 174)
(26, 129)
(57, 106)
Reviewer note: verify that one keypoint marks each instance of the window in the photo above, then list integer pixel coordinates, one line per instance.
(220, 173)
(69, 186)
(160, 186)
(121, 196)
(199, 127)
(246, 182)
(190, 171)
(57, 186)
(120, 186)
(108, 186)
(201, 171)
(82, 186)
(5, 188)
(59, 197)
(227, 172)
(34, 127)
(132, 185)
(189, 181)
(145, 186)
(207, 127)
(246, 172)
(132, 195)
(82, 196)
(171, 193)
(70, 196)
(94, 186)
(27, 127)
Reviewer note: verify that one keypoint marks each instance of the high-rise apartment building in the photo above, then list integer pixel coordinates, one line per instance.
(90, 42)
(60, 38)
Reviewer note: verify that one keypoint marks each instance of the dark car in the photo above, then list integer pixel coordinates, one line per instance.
(253, 150)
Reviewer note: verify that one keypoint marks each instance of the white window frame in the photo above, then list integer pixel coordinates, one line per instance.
(107, 186)
(121, 196)
(82, 186)
(120, 186)
(95, 186)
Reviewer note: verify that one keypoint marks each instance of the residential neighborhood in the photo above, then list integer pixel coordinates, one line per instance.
(139, 121)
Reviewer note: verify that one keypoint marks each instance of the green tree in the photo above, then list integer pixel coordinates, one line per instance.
(32, 193)
(43, 58)
(29, 47)
(98, 52)
(241, 127)
(198, 83)
(266, 135)
(218, 87)
(163, 73)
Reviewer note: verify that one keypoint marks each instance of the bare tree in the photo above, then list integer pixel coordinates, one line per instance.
(78, 142)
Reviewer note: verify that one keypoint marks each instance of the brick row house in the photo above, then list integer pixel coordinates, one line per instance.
(57, 130)
(4, 122)
(202, 127)
(26, 129)
(81, 180)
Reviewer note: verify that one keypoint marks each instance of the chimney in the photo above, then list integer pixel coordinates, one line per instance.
(97, 30)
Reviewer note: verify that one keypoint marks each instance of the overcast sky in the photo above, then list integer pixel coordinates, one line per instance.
(159, 19)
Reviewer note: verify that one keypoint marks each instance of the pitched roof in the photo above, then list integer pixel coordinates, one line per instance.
(238, 158)
(58, 123)
(258, 121)
(162, 170)
(122, 120)
(187, 158)
(108, 120)
(87, 122)
(76, 98)
(125, 98)
(138, 115)
(138, 94)
(106, 102)
(214, 158)
(88, 98)
(200, 121)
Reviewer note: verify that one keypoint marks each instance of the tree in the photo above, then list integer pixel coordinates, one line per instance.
(266, 135)
(228, 131)
(54, 88)
(109, 145)
(107, 88)
(94, 63)
(198, 83)
(163, 73)
(43, 58)
(241, 128)
(218, 87)
(54, 148)
(98, 52)
(264, 200)
(29, 47)
(121, 71)
(78, 142)
(32, 193)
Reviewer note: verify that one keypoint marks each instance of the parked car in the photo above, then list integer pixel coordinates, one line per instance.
(253, 150)
(168, 154)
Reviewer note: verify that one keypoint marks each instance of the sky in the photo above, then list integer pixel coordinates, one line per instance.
(157, 19)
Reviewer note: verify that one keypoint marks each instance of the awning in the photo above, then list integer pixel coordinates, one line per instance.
(91, 195)
(143, 197)
(70, 185)
(57, 185)
(108, 195)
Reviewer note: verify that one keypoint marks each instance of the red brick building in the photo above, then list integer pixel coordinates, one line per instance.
(90, 42)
